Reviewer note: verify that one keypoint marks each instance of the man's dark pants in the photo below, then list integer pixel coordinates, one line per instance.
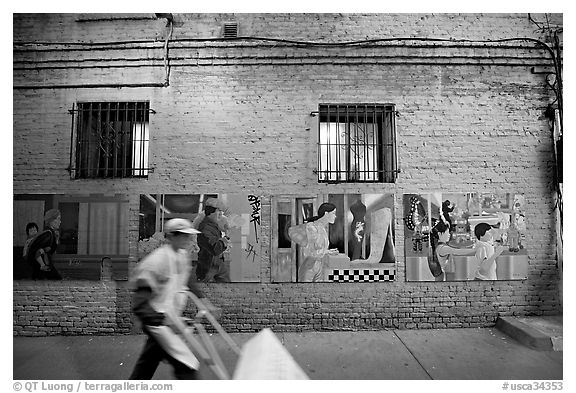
(150, 358)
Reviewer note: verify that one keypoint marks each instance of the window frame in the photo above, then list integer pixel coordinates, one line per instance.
(91, 120)
(383, 117)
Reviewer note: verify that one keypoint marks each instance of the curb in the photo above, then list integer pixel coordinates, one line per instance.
(525, 334)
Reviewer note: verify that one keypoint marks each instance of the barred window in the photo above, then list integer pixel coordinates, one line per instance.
(111, 140)
(357, 143)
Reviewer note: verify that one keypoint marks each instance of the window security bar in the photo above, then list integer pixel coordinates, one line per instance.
(357, 143)
(110, 140)
(315, 113)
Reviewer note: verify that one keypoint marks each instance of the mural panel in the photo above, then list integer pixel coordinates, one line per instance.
(333, 238)
(67, 236)
(234, 218)
(458, 237)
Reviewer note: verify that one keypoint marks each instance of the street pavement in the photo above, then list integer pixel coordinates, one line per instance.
(428, 354)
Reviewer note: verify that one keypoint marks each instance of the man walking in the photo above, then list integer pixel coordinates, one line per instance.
(161, 279)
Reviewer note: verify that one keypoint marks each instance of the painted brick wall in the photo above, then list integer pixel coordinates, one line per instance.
(236, 118)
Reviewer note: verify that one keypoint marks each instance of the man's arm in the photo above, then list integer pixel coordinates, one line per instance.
(141, 305)
(40, 244)
(211, 240)
(460, 251)
(217, 242)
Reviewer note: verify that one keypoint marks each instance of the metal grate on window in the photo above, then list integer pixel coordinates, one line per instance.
(357, 143)
(110, 140)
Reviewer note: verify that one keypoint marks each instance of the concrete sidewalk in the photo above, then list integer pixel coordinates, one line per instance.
(430, 354)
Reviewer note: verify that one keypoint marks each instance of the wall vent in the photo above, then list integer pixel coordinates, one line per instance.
(230, 29)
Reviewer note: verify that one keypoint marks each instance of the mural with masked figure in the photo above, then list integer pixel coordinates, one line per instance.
(229, 247)
(333, 238)
(468, 236)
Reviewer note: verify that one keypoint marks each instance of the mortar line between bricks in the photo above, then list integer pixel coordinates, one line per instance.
(414, 356)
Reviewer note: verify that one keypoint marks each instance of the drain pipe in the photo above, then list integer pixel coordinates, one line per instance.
(170, 24)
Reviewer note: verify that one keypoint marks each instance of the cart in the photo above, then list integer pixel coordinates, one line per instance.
(261, 357)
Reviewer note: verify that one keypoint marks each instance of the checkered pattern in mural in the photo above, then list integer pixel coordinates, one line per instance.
(361, 275)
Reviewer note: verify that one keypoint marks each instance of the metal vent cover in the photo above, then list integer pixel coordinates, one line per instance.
(230, 29)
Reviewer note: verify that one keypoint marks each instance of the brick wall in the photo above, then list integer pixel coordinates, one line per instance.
(238, 113)
(73, 308)
(70, 308)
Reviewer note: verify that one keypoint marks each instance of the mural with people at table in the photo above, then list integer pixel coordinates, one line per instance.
(333, 238)
(467, 236)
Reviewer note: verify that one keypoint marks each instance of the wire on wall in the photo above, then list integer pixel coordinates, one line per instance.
(362, 43)
(166, 57)
(556, 117)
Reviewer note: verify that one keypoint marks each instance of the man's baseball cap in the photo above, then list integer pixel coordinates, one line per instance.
(179, 225)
